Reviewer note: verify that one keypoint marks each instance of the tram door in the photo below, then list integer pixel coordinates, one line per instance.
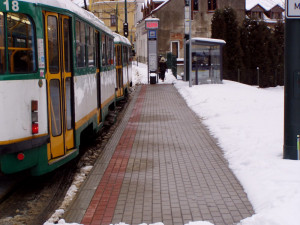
(119, 69)
(97, 39)
(59, 80)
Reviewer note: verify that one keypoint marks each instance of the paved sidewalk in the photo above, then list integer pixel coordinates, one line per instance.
(161, 165)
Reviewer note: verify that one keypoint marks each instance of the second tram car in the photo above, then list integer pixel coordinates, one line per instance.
(123, 65)
(57, 80)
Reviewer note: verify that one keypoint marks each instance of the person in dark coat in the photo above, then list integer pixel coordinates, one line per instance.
(162, 68)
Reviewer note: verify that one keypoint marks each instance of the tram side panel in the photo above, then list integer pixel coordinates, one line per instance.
(108, 84)
(85, 95)
(16, 136)
(17, 94)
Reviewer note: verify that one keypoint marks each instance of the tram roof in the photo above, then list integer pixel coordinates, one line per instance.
(74, 8)
(120, 38)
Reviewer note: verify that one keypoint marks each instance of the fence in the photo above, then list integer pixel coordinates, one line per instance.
(256, 76)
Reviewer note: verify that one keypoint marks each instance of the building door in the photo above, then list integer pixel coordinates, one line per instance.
(59, 83)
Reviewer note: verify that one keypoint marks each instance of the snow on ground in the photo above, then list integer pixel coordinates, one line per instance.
(79, 178)
(248, 123)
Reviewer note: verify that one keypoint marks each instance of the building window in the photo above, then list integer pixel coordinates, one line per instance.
(257, 15)
(175, 48)
(113, 21)
(195, 5)
(212, 5)
(276, 15)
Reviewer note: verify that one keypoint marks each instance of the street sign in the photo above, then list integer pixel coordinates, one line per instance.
(151, 23)
(187, 20)
(152, 34)
(293, 8)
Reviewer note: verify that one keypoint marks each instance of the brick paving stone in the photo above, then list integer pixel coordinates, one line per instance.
(174, 171)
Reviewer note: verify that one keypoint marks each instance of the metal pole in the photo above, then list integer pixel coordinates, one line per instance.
(125, 11)
(148, 56)
(185, 60)
(190, 45)
(291, 143)
(117, 19)
(257, 76)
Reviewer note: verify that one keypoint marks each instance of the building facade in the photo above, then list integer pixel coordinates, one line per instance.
(112, 13)
(171, 26)
(269, 11)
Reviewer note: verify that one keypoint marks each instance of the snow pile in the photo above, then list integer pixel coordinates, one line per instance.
(61, 221)
(199, 223)
(78, 180)
(248, 123)
(140, 75)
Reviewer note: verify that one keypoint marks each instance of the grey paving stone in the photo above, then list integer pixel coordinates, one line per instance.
(176, 172)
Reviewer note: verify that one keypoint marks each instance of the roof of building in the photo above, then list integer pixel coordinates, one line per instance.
(266, 4)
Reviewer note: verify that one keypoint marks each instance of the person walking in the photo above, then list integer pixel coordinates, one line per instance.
(162, 68)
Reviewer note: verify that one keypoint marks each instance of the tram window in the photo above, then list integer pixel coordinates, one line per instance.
(55, 107)
(68, 103)
(53, 57)
(20, 36)
(2, 44)
(80, 44)
(67, 47)
(103, 52)
(119, 56)
(108, 50)
(91, 46)
(97, 48)
(111, 51)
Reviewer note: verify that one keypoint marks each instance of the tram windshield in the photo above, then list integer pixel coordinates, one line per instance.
(19, 30)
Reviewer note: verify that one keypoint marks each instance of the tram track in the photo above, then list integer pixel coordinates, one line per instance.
(32, 200)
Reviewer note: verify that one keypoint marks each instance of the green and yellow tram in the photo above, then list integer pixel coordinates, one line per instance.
(57, 80)
(123, 65)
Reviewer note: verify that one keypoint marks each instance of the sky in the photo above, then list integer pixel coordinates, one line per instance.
(247, 122)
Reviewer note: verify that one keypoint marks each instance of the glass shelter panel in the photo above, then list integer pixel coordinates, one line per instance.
(206, 60)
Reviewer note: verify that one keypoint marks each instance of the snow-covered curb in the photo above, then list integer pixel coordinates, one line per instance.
(79, 178)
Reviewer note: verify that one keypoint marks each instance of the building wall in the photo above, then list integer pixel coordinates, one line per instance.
(171, 25)
(104, 10)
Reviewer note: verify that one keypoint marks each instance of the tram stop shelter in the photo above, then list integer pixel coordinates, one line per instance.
(207, 63)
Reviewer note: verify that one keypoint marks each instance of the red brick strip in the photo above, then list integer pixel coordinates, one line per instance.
(104, 201)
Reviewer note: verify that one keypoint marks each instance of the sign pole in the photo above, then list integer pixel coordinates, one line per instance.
(292, 81)
(151, 25)
(190, 45)
(188, 36)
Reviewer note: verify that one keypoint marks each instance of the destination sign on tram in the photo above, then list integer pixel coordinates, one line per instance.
(293, 8)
